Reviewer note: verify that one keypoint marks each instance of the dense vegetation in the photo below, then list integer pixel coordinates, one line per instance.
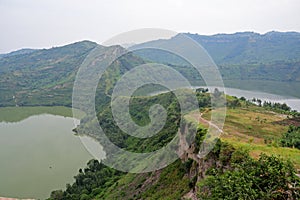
(246, 55)
(246, 60)
(292, 137)
(41, 77)
(226, 173)
(89, 182)
(266, 178)
(251, 48)
(45, 77)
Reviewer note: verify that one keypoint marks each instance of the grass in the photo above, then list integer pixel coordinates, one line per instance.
(255, 150)
(169, 183)
(248, 128)
(252, 122)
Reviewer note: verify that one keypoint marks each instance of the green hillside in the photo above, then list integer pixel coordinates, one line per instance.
(250, 144)
(257, 157)
(249, 156)
(250, 47)
(266, 62)
(41, 77)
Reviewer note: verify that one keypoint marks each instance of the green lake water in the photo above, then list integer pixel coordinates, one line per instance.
(38, 151)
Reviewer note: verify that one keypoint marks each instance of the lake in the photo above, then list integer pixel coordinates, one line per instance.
(291, 101)
(39, 152)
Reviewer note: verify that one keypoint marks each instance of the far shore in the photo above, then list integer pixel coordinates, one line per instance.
(6, 198)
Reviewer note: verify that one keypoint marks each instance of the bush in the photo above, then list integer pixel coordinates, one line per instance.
(291, 138)
(266, 178)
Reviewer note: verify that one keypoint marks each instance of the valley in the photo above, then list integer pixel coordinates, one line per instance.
(36, 123)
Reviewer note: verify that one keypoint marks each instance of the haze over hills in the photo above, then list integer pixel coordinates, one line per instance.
(41, 76)
(35, 77)
(46, 77)
(190, 176)
(18, 52)
(246, 55)
(250, 47)
(269, 62)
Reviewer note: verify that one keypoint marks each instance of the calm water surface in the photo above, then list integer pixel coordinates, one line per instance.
(291, 101)
(39, 154)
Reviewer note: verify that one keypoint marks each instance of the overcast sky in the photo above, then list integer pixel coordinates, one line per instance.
(47, 23)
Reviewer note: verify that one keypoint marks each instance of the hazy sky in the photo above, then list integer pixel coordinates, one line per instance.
(47, 23)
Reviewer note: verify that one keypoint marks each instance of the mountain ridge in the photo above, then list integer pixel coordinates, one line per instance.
(242, 33)
(32, 77)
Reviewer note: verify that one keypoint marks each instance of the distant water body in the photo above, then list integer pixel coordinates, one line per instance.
(292, 102)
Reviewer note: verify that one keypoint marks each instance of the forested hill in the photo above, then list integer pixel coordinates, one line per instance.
(18, 52)
(41, 77)
(45, 76)
(274, 56)
(251, 48)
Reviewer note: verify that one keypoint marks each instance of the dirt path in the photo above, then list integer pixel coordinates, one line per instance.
(224, 133)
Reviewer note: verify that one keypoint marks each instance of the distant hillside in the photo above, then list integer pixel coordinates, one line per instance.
(46, 77)
(41, 77)
(251, 48)
(18, 52)
(269, 63)
(244, 59)
(242, 48)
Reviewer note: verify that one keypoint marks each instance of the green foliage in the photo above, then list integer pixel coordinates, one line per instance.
(139, 107)
(291, 138)
(230, 186)
(57, 194)
(45, 77)
(267, 178)
(240, 156)
(246, 60)
(226, 152)
(250, 48)
(233, 102)
(276, 106)
(95, 178)
(41, 77)
(200, 135)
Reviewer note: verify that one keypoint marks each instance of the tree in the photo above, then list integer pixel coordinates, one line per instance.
(266, 178)
(291, 138)
(243, 99)
(57, 194)
(259, 102)
(200, 135)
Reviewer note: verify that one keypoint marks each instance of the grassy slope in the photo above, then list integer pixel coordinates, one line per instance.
(153, 185)
(173, 182)
(41, 77)
(245, 127)
(258, 130)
